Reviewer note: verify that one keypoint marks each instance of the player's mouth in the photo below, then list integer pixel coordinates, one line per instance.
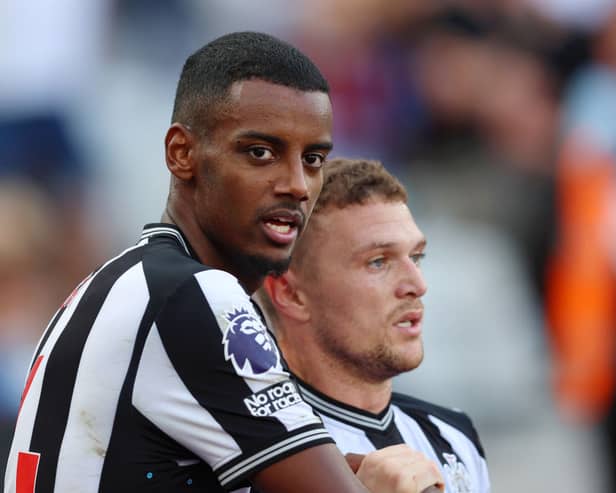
(410, 323)
(282, 226)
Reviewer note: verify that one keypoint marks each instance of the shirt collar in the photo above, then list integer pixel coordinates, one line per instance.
(164, 229)
(351, 415)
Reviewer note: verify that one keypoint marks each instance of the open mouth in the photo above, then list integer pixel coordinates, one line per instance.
(282, 227)
(410, 323)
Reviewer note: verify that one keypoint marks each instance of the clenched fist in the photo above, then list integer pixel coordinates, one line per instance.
(397, 469)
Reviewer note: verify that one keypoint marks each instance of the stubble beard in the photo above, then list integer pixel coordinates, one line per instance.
(375, 365)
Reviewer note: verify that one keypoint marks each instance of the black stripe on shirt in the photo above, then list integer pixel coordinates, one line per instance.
(194, 343)
(457, 419)
(382, 439)
(135, 440)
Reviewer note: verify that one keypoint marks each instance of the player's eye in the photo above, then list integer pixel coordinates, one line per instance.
(377, 262)
(261, 153)
(417, 258)
(314, 160)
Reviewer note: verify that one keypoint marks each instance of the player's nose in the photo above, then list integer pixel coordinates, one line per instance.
(412, 282)
(293, 180)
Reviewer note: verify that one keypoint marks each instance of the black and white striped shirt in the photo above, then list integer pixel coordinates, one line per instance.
(446, 436)
(156, 375)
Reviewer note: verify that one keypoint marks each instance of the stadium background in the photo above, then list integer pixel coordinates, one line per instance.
(468, 102)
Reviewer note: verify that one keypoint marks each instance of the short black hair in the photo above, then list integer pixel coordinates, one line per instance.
(210, 71)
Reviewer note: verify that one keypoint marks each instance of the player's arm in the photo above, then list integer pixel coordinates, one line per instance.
(321, 468)
(396, 469)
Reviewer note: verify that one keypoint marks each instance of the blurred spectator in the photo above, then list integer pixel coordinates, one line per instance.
(582, 275)
(491, 132)
(362, 49)
(50, 54)
(42, 94)
(28, 275)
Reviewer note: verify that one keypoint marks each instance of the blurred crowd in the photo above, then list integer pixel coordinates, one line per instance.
(499, 115)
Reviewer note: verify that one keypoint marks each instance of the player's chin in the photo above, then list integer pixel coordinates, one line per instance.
(273, 263)
(417, 359)
(277, 253)
(412, 358)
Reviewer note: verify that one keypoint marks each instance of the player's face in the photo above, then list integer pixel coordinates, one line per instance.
(260, 174)
(365, 286)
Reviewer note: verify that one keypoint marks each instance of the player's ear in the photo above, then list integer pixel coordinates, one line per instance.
(179, 149)
(285, 298)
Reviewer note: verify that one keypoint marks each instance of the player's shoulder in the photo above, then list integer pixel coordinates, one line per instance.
(455, 418)
(169, 263)
(178, 280)
(166, 265)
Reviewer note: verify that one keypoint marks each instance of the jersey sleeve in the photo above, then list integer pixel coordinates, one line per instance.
(211, 377)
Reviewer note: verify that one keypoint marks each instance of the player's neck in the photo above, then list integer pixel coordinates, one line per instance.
(206, 252)
(329, 377)
(368, 396)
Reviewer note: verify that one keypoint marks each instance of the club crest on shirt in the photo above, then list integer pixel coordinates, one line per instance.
(457, 474)
(248, 344)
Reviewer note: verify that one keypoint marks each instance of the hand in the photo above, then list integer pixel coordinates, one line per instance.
(397, 469)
